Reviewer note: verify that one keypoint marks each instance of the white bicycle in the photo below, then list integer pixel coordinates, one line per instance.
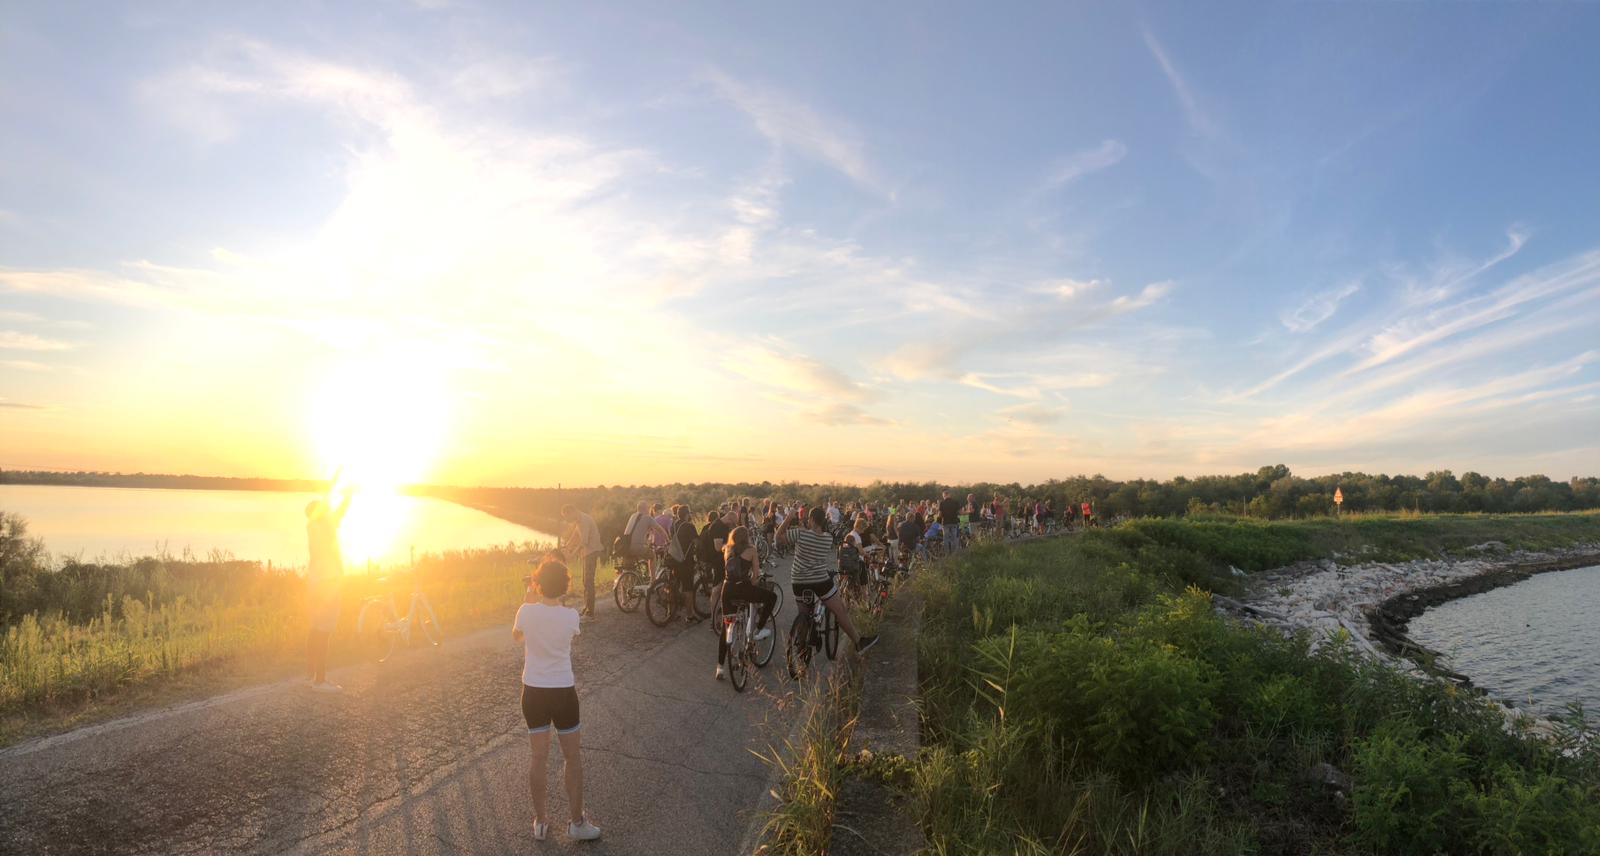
(379, 627)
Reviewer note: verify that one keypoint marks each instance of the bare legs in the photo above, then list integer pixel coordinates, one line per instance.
(317, 656)
(538, 774)
(841, 612)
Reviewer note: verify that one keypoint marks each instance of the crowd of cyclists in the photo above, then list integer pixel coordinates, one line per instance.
(842, 555)
(844, 552)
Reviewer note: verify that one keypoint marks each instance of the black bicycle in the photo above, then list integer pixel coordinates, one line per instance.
(814, 629)
(661, 603)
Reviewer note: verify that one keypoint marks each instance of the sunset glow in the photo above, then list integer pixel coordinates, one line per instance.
(588, 247)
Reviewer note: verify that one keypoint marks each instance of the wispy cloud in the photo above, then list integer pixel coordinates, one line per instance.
(792, 124)
(16, 341)
(1200, 121)
(847, 414)
(17, 405)
(1318, 308)
(25, 365)
(1078, 164)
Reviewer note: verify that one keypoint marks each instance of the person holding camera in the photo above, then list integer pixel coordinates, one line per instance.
(546, 629)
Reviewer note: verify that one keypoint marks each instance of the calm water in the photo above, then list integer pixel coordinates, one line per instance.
(1535, 643)
(96, 522)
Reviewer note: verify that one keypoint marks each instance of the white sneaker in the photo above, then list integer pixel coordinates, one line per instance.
(763, 633)
(327, 687)
(719, 672)
(540, 831)
(583, 830)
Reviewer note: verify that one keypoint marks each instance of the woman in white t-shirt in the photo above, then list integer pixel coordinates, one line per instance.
(549, 695)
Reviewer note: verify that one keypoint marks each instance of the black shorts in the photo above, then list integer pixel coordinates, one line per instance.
(542, 706)
(823, 591)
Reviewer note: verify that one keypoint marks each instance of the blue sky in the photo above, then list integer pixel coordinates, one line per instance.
(616, 243)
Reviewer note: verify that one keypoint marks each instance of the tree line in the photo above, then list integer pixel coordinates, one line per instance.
(1270, 492)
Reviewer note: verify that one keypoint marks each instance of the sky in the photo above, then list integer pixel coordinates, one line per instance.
(613, 243)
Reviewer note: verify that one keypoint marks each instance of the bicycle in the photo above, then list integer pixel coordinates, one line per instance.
(633, 580)
(739, 629)
(813, 629)
(378, 628)
(661, 603)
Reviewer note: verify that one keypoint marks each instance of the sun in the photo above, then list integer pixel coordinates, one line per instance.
(379, 421)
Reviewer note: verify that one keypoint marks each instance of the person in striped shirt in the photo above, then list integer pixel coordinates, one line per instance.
(815, 568)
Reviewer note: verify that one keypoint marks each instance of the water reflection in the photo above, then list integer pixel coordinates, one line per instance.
(91, 523)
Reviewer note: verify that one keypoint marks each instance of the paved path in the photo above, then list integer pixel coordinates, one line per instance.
(424, 754)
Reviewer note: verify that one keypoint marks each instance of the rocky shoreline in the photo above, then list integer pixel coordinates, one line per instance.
(1371, 604)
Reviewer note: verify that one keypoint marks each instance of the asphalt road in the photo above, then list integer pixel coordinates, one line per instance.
(424, 754)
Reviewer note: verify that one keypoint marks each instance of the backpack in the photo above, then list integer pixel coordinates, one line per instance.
(674, 545)
(849, 558)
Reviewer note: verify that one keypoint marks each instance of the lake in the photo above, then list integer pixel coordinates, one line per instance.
(1535, 643)
(91, 523)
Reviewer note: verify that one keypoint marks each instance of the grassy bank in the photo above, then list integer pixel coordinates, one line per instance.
(1081, 696)
(98, 635)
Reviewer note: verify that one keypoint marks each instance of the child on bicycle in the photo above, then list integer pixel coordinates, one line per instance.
(549, 694)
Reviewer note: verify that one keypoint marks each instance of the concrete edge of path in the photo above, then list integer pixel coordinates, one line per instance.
(888, 722)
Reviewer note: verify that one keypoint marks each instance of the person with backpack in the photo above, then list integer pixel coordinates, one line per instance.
(680, 558)
(637, 535)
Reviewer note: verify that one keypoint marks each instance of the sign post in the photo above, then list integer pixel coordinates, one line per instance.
(1338, 502)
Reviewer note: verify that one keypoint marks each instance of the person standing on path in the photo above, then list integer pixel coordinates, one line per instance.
(324, 583)
(586, 540)
(550, 695)
(950, 523)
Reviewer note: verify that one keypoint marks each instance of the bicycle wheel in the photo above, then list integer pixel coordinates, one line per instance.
(626, 591)
(738, 657)
(761, 650)
(763, 551)
(704, 588)
(830, 633)
(375, 633)
(770, 584)
(797, 653)
(427, 622)
(659, 602)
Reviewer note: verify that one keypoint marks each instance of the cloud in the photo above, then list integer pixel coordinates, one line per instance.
(1147, 296)
(793, 125)
(1318, 308)
(780, 367)
(847, 414)
(1409, 334)
(1199, 120)
(13, 340)
(938, 353)
(1078, 164)
(1033, 414)
(25, 365)
(1419, 318)
(17, 405)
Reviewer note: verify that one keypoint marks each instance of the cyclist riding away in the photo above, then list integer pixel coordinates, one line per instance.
(742, 562)
(813, 571)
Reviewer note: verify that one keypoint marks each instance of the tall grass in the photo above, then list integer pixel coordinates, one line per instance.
(812, 767)
(200, 614)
